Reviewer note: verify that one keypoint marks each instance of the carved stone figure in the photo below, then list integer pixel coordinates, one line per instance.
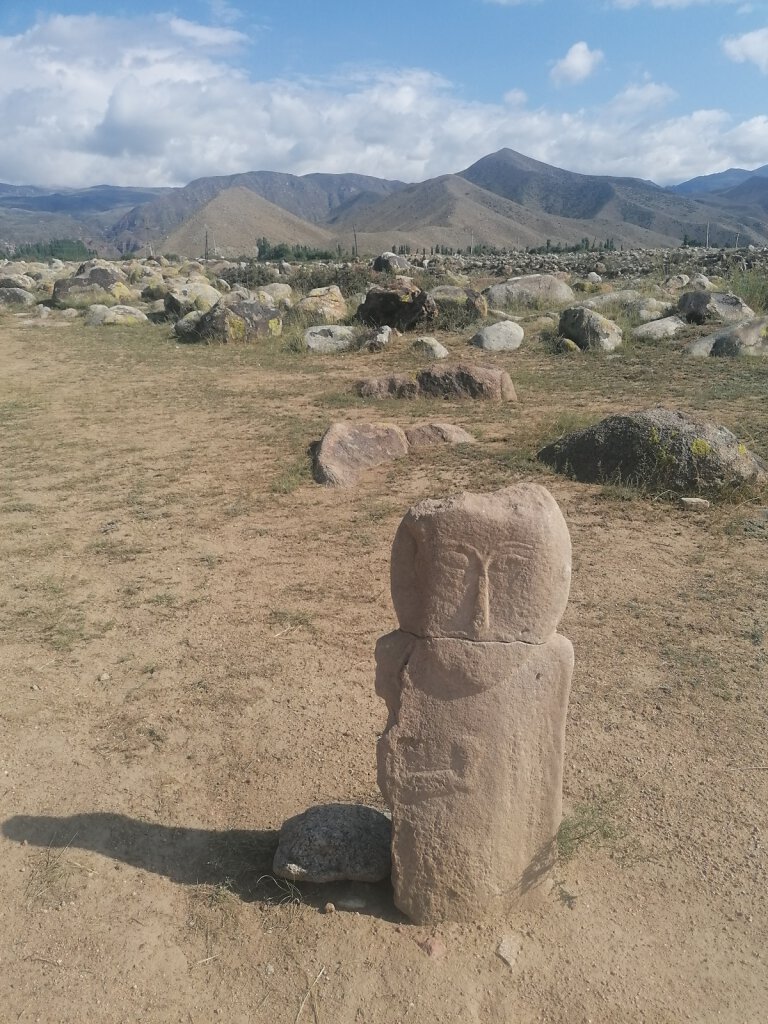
(476, 681)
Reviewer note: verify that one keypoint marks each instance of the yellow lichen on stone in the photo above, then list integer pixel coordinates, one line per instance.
(700, 447)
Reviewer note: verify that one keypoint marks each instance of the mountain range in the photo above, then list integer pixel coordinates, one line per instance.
(505, 200)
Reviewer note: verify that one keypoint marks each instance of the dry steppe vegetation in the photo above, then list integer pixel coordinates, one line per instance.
(188, 627)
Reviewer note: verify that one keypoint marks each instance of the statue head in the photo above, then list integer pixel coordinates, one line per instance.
(483, 566)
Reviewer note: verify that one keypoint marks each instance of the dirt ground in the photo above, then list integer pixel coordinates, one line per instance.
(188, 625)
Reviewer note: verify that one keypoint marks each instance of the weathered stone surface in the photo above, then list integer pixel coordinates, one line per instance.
(424, 435)
(335, 843)
(22, 281)
(589, 329)
(280, 292)
(379, 341)
(505, 336)
(747, 339)
(99, 316)
(437, 575)
(327, 304)
(396, 385)
(16, 297)
(185, 327)
(347, 449)
(430, 347)
(694, 504)
(656, 330)
(465, 381)
(390, 262)
(657, 448)
(451, 297)
(471, 761)
(402, 305)
(234, 323)
(188, 295)
(329, 338)
(700, 307)
(530, 290)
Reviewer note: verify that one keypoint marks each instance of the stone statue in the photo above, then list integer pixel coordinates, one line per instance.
(476, 681)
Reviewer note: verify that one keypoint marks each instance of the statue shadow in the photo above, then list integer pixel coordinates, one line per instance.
(240, 860)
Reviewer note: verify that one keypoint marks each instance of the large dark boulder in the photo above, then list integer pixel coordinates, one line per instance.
(656, 448)
(235, 323)
(402, 305)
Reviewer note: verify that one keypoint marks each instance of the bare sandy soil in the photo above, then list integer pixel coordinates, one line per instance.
(188, 625)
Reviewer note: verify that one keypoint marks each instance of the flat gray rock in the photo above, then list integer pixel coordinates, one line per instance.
(335, 843)
(329, 338)
(505, 336)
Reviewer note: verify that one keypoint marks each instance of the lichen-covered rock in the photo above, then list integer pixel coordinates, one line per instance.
(657, 448)
(16, 297)
(452, 298)
(402, 305)
(391, 263)
(233, 323)
(748, 339)
(327, 304)
(189, 295)
(104, 316)
(701, 307)
(589, 329)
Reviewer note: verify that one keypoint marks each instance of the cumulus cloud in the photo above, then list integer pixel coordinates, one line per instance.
(135, 101)
(752, 47)
(577, 65)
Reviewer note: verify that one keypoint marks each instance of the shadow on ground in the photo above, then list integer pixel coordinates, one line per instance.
(238, 859)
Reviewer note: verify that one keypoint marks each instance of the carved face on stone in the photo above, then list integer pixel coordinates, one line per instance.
(483, 567)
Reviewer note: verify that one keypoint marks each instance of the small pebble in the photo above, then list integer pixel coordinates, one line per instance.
(329, 908)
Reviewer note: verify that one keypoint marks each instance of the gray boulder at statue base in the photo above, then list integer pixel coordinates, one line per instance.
(589, 329)
(335, 843)
(657, 448)
(505, 336)
(329, 338)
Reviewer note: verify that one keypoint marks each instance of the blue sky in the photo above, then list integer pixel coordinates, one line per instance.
(160, 93)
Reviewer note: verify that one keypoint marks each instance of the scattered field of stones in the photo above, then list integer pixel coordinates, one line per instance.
(206, 466)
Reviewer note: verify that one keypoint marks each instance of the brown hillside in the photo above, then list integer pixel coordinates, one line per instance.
(234, 220)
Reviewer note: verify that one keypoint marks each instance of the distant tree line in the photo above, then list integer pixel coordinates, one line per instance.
(56, 249)
(297, 253)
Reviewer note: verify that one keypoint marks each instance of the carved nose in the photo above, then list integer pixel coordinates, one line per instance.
(482, 616)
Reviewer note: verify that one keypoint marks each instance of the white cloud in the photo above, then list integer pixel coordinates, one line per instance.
(752, 46)
(577, 65)
(97, 99)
